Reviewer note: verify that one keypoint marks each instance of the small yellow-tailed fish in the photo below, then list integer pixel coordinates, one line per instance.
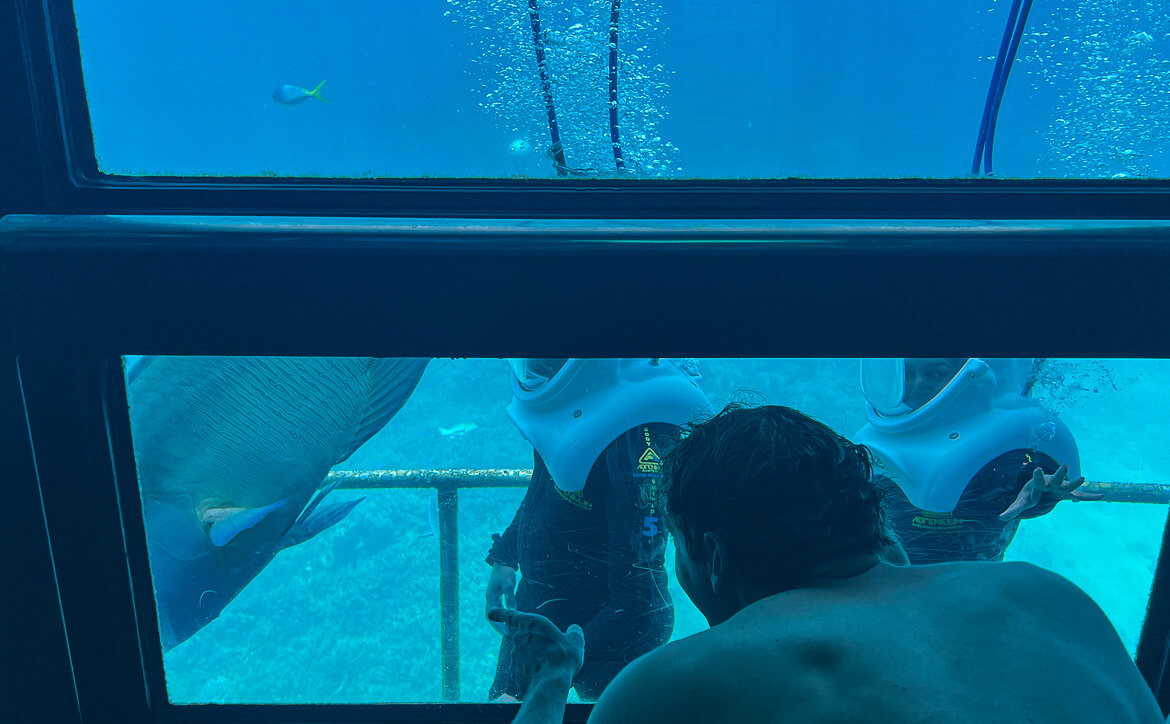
(291, 95)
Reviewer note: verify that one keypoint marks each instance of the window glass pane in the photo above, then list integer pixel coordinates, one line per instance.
(703, 88)
(270, 592)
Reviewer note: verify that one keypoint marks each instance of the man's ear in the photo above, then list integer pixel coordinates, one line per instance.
(716, 550)
(894, 554)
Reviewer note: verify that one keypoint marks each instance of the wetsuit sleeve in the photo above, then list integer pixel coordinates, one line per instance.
(638, 607)
(973, 531)
(505, 548)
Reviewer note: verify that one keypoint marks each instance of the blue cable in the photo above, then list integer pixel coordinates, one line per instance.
(1003, 78)
(1012, 34)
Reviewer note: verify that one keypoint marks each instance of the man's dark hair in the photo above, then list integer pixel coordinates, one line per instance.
(783, 490)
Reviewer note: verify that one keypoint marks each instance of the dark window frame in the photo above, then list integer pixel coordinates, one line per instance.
(74, 292)
(83, 290)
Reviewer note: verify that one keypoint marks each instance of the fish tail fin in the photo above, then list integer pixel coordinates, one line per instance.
(316, 92)
(324, 518)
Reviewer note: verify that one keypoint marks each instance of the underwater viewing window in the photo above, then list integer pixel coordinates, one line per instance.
(383, 575)
(585, 90)
(317, 527)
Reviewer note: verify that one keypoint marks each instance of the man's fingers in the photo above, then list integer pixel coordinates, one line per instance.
(498, 623)
(503, 615)
(1078, 495)
(1011, 512)
(1059, 476)
(493, 599)
(530, 621)
(1027, 498)
(576, 632)
(493, 604)
(1072, 485)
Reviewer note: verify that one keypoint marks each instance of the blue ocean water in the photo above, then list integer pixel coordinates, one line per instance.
(710, 88)
(353, 615)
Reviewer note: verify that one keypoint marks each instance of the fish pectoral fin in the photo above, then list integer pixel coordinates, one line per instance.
(224, 524)
(324, 517)
(316, 92)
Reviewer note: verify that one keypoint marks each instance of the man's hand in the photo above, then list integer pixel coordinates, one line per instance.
(1052, 486)
(501, 585)
(542, 653)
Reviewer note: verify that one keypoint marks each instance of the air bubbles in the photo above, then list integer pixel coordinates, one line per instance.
(576, 35)
(1111, 84)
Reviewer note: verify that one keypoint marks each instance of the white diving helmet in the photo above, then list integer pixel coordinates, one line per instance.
(572, 409)
(934, 423)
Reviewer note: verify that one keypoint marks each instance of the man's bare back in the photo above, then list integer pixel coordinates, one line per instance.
(779, 533)
(959, 642)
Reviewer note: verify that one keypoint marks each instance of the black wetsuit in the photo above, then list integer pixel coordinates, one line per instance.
(973, 530)
(594, 558)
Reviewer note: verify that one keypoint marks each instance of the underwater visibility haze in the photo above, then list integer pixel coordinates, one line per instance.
(675, 89)
(355, 613)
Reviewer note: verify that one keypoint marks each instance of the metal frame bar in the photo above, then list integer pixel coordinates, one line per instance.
(66, 406)
(36, 660)
(72, 308)
(1153, 653)
(105, 286)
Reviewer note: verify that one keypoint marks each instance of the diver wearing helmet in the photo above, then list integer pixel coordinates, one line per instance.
(965, 452)
(588, 539)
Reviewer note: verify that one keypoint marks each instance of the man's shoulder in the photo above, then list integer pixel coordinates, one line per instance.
(697, 679)
(1024, 589)
(673, 663)
(989, 572)
(1012, 581)
(1033, 582)
(668, 684)
(1009, 578)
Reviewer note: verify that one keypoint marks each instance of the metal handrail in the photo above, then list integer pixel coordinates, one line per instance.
(448, 482)
(453, 478)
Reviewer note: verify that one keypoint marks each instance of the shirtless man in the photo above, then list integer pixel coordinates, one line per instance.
(779, 532)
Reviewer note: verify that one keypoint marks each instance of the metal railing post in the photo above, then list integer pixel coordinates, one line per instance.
(449, 588)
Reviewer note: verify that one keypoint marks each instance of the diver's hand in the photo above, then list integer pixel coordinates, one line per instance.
(501, 585)
(1051, 486)
(542, 653)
